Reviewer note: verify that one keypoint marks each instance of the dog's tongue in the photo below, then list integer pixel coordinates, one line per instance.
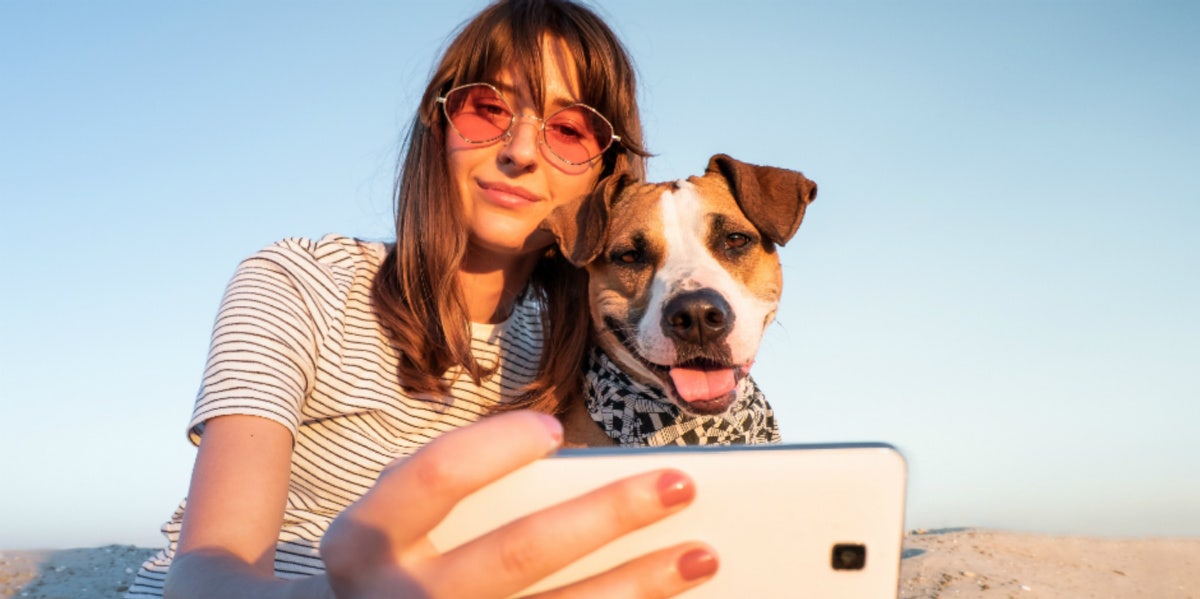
(694, 384)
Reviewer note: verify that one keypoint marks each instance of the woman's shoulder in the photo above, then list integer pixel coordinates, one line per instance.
(328, 255)
(327, 269)
(333, 249)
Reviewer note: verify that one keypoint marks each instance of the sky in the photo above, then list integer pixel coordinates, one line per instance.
(999, 275)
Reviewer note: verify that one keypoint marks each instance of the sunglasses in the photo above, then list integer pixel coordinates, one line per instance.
(576, 134)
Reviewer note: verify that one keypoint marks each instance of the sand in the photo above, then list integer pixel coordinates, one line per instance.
(91, 573)
(943, 563)
(991, 564)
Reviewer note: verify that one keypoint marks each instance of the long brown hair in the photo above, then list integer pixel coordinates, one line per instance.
(416, 294)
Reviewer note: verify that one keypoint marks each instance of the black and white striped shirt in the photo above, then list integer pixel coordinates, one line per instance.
(296, 342)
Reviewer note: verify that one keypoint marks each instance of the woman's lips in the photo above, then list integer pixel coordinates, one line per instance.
(509, 196)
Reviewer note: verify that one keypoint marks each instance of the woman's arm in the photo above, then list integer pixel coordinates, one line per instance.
(234, 512)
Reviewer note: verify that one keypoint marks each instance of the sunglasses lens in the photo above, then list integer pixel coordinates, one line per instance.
(478, 113)
(578, 134)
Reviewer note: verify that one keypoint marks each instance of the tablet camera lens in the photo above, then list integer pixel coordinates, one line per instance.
(849, 556)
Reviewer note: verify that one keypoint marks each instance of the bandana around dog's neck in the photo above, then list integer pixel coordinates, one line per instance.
(635, 414)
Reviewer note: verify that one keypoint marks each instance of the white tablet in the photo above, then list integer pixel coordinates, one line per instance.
(786, 520)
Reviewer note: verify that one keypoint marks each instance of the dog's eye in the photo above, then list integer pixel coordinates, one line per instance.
(627, 257)
(735, 241)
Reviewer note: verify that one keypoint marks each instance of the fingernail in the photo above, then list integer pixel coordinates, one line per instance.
(554, 427)
(697, 564)
(675, 488)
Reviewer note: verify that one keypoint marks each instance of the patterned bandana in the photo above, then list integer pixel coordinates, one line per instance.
(636, 414)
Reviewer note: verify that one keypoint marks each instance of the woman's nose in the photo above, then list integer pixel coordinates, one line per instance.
(522, 144)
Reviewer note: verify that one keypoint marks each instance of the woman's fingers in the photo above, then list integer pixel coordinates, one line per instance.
(664, 573)
(375, 545)
(524, 551)
(414, 494)
(379, 544)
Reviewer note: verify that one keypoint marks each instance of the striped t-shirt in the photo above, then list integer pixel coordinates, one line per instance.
(295, 341)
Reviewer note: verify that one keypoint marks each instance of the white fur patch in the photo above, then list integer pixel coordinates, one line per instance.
(689, 265)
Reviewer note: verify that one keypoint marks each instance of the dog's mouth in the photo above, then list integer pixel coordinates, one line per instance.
(701, 385)
(702, 379)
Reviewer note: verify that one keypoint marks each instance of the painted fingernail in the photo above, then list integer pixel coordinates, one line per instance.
(675, 488)
(554, 427)
(697, 564)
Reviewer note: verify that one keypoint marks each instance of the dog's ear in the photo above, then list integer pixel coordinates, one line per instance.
(774, 199)
(579, 227)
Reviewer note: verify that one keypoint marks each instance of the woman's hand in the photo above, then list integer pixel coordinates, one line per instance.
(378, 547)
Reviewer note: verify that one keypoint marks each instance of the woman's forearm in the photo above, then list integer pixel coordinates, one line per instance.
(215, 573)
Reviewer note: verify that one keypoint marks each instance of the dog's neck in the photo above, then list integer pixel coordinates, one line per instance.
(633, 413)
(579, 430)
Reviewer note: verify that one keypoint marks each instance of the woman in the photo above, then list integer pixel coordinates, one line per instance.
(334, 360)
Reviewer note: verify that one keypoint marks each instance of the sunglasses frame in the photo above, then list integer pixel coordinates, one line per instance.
(512, 121)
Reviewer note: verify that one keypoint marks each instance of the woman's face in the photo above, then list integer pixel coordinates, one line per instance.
(509, 186)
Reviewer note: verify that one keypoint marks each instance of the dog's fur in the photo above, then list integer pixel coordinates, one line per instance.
(684, 276)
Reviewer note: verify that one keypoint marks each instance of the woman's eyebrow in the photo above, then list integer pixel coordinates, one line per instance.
(510, 92)
(505, 88)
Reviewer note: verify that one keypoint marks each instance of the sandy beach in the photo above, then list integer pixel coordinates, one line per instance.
(992, 564)
(941, 563)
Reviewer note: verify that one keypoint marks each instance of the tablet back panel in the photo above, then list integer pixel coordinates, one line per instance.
(775, 514)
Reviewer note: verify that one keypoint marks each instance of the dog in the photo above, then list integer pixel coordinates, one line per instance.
(683, 279)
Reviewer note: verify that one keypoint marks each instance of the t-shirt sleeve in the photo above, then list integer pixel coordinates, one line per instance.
(261, 360)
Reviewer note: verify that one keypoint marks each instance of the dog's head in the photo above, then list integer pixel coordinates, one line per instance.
(684, 276)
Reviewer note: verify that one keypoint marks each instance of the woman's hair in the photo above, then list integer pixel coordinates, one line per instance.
(416, 294)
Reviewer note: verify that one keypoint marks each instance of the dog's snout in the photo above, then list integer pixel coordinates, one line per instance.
(698, 317)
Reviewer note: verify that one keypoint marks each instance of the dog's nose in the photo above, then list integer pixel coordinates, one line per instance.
(697, 317)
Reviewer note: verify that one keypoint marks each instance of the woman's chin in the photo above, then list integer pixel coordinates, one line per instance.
(515, 245)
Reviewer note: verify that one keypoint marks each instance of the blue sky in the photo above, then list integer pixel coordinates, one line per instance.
(999, 275)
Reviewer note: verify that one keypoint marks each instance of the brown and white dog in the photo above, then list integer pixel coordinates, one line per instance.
(684, 276)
